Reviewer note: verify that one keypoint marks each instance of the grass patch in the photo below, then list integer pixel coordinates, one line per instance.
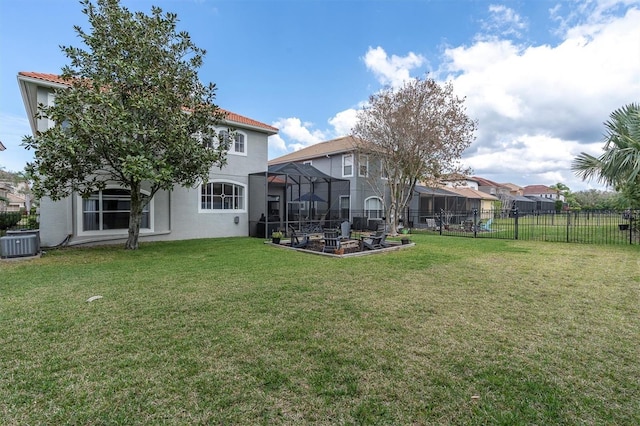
(231, 331)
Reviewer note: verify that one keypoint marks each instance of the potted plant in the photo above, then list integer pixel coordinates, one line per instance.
(405, 236)
(276, 236)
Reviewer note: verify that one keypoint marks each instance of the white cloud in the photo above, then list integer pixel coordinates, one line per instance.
(295, 130)
(546, 99)
(277, 143)
(394, 70)
(344, 121)
(538, 106)
(503, 21)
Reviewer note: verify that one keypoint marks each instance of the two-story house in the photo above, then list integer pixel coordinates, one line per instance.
(543, 191)
(343, 158)
(218, 208)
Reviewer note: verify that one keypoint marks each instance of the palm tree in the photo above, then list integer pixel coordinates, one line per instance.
(619, 165)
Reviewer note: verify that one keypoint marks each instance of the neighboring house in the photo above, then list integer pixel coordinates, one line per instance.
(543, 192)
(460, 181)
(514, 189)
(341, 159)
(543, 205)
(17, 202)
(491, 187)
(5, 189)
(476, 199)
(217, 209)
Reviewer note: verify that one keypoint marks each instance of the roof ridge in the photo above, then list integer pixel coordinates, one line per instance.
(229, 115)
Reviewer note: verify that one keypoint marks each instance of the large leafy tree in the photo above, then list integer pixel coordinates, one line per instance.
(134, 112)
(417, 133)
(619, 165)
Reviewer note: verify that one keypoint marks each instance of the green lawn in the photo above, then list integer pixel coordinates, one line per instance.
(232, 331)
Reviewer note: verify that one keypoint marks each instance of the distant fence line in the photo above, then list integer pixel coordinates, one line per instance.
(594, 227)
(590, 227)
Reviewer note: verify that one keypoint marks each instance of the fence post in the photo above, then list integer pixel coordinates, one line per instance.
(515, 223)
(568, 213)
(441, 216)
(475, 223)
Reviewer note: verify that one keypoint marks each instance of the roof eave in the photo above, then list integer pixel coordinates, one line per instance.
(261, 129)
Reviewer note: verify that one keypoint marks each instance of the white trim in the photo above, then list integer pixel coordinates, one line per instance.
(366, 210)
(360, 157)
(234, 211)
(232, 146)
(344, 157)
(246, 144)
(123, 231)
(340, 206)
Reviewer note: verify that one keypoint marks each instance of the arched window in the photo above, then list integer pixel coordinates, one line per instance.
(373, 208)
(222, 196)
(109, 210)
(236, 146)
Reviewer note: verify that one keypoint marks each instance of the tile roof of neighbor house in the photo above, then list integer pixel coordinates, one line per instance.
(321, 149)
(230, 116)
(512, 186)
(486, 182)
(457, 177)
(472, 193)
(538, 189)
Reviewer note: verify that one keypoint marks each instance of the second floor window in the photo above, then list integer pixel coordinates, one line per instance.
(363, 166)
(347, 165)
(237, 145)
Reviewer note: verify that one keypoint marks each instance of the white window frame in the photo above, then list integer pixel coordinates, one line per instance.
(232, 144)
(367, 210)
(342, 197)
(121, 231)
(363, 158)
(228, 182)
(345, 158)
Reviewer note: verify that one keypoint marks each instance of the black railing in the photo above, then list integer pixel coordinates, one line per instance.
(595, 227)
(11, 221)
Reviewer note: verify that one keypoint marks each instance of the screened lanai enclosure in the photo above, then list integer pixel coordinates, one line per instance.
(297, 196)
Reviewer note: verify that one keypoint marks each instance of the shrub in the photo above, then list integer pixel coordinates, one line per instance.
(9, 219)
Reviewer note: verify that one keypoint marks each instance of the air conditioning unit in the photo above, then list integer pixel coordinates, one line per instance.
(19, 246)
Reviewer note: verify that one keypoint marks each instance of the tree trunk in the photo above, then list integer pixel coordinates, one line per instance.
(135, 217)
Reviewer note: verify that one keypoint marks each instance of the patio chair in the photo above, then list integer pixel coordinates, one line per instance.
(345, 230)
(331, 242)
(373, 242)
(298, 240)
(486, 226)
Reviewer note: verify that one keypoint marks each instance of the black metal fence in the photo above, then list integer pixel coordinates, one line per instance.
(10, 221)
(594, 227)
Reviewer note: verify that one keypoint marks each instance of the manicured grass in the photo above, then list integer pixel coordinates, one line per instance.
(232, 331)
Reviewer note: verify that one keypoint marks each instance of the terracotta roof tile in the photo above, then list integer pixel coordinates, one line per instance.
(472, 193)
(538, 189)
(230, 116)
(486, 182)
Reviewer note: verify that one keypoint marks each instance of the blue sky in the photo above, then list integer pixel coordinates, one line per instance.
(539, 76)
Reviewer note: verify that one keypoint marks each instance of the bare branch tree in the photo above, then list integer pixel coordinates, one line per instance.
(417, 133)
